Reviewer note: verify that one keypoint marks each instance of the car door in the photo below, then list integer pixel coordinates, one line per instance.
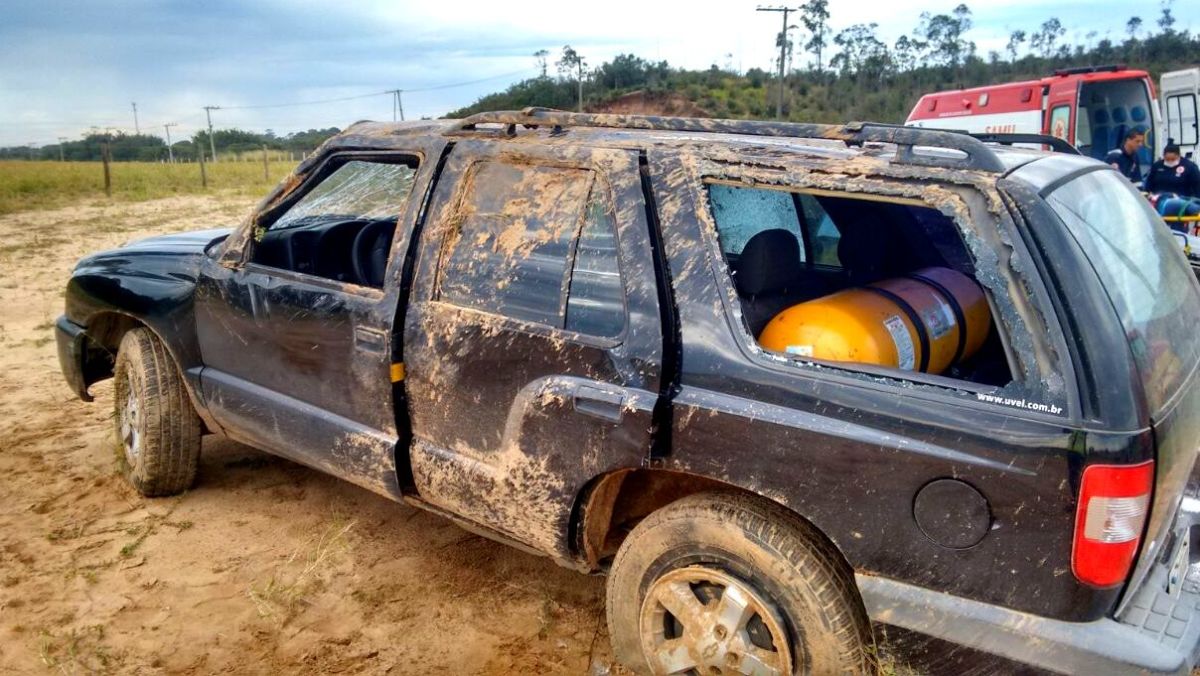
(297, 349)
(533, 348)
(1061, 101)
(1180, 90)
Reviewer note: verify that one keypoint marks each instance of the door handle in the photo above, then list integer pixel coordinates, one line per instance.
(599, 403)
(369, 340)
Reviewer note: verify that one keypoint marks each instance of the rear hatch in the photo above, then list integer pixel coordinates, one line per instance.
(1157, 298)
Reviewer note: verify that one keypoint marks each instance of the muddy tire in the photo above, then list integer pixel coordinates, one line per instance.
(158, 431)
(718, 583)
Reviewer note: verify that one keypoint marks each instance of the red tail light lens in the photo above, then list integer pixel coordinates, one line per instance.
(1113, 503)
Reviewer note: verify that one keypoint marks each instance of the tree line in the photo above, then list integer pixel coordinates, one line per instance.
(852, 73)
(150, 148)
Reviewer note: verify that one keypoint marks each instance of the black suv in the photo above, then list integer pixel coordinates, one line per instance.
(776, 380)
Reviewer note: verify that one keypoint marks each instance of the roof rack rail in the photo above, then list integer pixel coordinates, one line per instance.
(1083, 70)
(975, 155)
(1056, 144)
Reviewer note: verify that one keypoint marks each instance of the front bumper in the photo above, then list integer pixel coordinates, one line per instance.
(72, 355)
(1105, 646)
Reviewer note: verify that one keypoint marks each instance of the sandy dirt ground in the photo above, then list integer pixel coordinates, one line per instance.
(264, 567)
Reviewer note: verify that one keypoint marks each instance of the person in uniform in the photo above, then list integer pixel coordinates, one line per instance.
(1125, 158)
(1174, 174)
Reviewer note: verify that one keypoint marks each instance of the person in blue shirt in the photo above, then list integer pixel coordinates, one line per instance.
(1174, 174)
(1125, 158)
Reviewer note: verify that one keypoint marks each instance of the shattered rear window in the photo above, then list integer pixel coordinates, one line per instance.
(1146, 277)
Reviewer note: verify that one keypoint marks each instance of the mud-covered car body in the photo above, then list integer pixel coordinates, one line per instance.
(954, 502)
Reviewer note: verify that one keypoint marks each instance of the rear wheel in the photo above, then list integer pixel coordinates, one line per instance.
(720, 584)
(157, 429)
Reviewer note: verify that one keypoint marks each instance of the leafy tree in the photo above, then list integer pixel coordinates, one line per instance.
(814, 14)
(1045, 39)
(906, 53)
(1166, 20)
(1133, 26)
(861, 51)
(541, 55)
(944, 35)
(1015, 40)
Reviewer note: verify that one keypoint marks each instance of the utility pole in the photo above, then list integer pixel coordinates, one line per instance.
(136, 130)
(212, 144)
(170, 153)
(580, 63)
(782, 51)
(61, 155)
(397, 104)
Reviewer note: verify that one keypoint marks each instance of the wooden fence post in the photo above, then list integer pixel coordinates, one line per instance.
(203, 173)
(106, 157)
(266, 170)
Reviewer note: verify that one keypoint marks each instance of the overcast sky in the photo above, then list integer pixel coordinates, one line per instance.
(67, 66)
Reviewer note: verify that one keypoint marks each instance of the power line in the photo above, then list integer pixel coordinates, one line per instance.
(304, 103)
(397, 106)
(469, 82)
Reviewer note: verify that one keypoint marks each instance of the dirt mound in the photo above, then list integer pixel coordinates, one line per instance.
(651, 103)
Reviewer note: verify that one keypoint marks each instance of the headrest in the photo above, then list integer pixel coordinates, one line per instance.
(863, 250)
(769, 262)
(1101, 116)
(1137, 113)
(1118, 115)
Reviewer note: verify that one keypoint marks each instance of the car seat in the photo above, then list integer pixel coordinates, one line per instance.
(768, 276)
(1102, 140)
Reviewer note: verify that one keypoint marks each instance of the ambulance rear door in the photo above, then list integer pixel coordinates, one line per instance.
(1180, 93)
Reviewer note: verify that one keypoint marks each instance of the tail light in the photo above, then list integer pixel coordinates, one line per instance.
(1113, 502)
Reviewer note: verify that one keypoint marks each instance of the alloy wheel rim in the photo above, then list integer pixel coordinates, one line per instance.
(698, 620)
(131, 436)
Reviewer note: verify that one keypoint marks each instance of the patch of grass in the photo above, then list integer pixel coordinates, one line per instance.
(46, 185)
(304, 573)
(76, 651)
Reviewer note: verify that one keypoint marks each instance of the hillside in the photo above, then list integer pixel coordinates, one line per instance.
(865, 79)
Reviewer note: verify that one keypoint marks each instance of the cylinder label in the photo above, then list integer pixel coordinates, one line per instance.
(939, 319)
(905, 352)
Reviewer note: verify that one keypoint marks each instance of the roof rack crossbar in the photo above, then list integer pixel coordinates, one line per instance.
(1056, 144)
(971, 153)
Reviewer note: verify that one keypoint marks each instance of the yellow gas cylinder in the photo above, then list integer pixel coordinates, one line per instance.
(925, 321)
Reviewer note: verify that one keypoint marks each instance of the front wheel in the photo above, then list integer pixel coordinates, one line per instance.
(157, 428)
(721, 584)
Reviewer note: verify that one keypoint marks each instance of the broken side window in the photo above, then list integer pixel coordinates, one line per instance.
(342, 227)
(356, 190)
(841, 278)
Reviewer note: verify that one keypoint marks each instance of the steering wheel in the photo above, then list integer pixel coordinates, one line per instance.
(369, 253)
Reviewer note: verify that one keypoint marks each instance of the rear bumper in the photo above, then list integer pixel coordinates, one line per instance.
(1104, 646)
(1166, 605)
(72, 351)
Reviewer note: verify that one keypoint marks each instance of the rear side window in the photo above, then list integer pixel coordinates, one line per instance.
(596, 302)
(536, 244)
(1141, 267)
(745, 213)
(513, 240)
